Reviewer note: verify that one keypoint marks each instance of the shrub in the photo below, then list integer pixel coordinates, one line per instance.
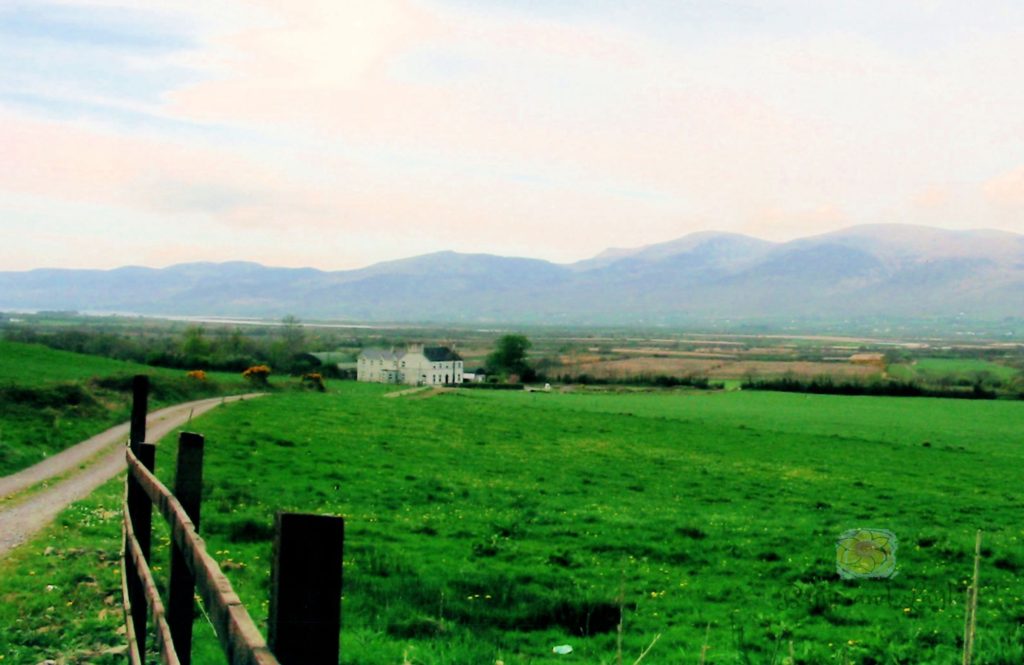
(257, 375)
(826, 385)
(64, 396)
(655, 380)
(161, 387)
(314, 381)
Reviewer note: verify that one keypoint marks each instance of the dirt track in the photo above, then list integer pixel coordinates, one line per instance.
(20, 521)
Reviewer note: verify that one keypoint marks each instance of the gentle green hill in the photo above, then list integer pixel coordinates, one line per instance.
(34, 364)
(52, 399)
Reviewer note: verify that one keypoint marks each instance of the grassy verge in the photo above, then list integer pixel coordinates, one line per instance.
(60, 593)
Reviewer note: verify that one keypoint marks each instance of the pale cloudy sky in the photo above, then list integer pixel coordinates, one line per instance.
(335, 134)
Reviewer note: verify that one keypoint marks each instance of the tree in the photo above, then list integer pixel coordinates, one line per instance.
(236, 344)
(292, 335)
(195, 346)
(509, 357)
(1017, 384)
(290, 341)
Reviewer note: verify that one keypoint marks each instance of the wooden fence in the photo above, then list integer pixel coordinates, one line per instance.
(306, 571)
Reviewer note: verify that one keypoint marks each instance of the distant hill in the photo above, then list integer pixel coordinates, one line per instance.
(865, 271)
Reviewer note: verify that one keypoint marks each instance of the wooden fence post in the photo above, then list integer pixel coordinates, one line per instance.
(140, 509)
(188, 488)
(305, 589)
(137, 434)
(140, 405)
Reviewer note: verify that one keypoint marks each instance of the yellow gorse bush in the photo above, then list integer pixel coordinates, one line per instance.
(314, 380)
(257, 374)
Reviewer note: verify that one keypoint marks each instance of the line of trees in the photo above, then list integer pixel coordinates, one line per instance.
(282, 347)
(826, 385)
(656, 380)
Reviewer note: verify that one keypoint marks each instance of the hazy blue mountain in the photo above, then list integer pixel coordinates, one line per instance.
(708, 247)
(877, 271)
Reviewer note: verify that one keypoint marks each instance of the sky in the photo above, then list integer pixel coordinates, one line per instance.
(337, 134)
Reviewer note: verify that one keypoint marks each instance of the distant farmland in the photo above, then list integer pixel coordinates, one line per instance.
(715, 368)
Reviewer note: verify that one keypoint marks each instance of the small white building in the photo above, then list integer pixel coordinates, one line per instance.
(415, 366)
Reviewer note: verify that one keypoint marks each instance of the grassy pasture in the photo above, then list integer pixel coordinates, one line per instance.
(494, 525)
(34, 365)
(51, 399)
(932, 369)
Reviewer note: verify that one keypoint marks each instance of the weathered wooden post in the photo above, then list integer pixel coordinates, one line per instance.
(139, 510)
(188, 488)
(140, 406)
(305, 589)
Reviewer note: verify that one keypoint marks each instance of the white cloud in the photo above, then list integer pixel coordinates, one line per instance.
(405, 126)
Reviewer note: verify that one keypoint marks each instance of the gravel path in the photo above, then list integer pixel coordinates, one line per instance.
(20, 521)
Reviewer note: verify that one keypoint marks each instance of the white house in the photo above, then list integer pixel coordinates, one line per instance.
(416, 366)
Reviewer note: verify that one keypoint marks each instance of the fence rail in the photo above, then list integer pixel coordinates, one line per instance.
(306, 572)
(133, 645)
(164, 643)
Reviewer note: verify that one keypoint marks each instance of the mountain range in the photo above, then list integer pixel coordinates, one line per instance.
(888, 271)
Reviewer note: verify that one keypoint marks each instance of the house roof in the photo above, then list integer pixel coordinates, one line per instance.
(434, 354)
(380, 354)
(331, 357)
(438, 354)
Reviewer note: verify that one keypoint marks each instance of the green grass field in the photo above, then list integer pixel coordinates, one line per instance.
(930, 370)
(52, 399)
(60, 594)
(485, 526)
(34, 365)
